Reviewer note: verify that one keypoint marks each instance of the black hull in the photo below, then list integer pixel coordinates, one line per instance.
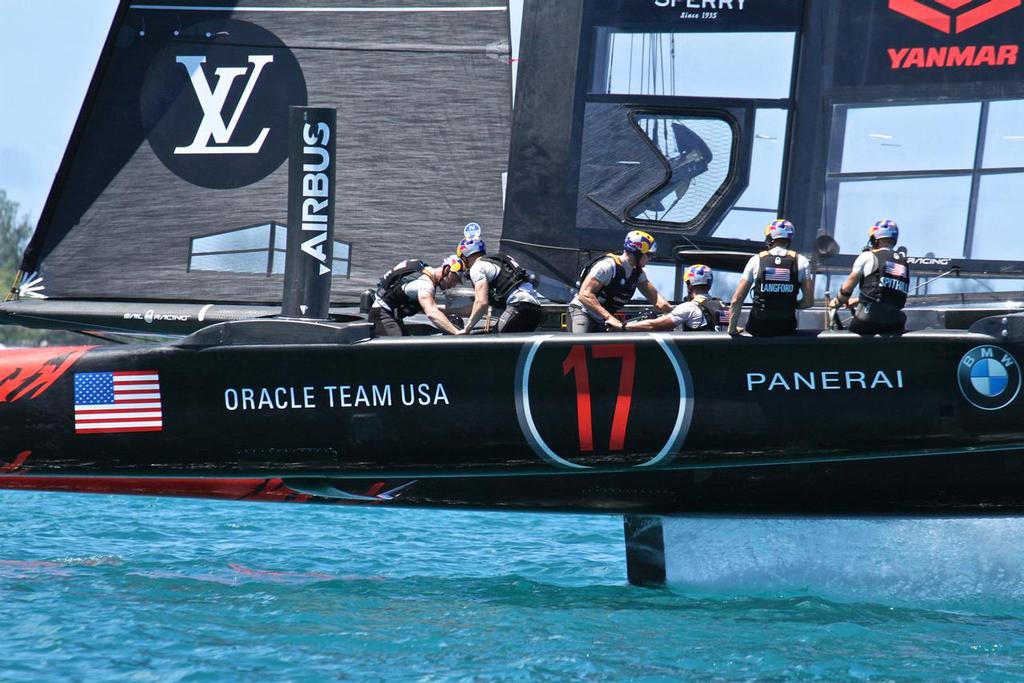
(827, 424)
(968, 484)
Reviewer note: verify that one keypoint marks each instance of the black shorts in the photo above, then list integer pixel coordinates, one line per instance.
(520, 317)
(386, 323)
(877, 319)
(771, 327)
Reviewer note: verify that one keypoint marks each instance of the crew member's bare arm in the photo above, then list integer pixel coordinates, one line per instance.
(588, 297)
(439, 319)
(663, 323)
(479, 304)
(843, 297)
(736, 307)
(806, 294)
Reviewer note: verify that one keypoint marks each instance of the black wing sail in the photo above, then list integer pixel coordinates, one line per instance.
(703, 125)
(173, 189)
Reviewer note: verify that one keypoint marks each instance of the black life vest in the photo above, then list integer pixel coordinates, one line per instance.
(617, 293)
(715, 315)
(390, 287)
(777, 285)
(889, 282)
(510, 276)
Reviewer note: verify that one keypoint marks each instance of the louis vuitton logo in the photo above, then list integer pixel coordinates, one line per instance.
(214, 134)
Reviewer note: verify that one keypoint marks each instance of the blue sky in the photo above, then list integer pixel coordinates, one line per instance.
(48, 49)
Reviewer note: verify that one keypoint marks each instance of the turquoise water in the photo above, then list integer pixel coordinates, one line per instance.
(144, 589)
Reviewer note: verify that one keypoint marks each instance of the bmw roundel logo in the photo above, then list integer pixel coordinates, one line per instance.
(989, 377)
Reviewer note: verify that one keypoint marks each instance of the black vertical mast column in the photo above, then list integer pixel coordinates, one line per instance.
(307, 270)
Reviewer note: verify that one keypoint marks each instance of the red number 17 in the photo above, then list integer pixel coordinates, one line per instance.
(576, 362)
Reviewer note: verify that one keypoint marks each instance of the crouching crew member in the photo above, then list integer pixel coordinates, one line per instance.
(701, 311)
(777, 276)
(501, 283)
(609, 282)
(410, 288)
(884, 278)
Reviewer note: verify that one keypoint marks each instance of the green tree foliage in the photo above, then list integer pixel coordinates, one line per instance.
(14, 235)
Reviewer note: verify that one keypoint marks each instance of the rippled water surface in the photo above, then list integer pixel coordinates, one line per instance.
(146, 589)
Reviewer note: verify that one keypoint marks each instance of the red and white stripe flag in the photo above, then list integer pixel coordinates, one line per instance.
(108, 402)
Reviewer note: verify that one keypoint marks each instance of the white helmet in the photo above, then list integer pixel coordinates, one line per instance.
(698, 274)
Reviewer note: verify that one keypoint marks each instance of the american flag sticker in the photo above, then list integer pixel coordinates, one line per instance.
(776, 274)
(895, 269)
(107, 402)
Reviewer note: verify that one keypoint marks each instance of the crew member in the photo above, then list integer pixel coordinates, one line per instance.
(884, 278)
(410, 288)
(700, 311)
(501, 283)
(778, 275)
(609, 282)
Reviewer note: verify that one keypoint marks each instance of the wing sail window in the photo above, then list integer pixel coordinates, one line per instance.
(696, 154)
(253, 249)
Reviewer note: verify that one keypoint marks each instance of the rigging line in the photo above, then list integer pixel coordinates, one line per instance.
(610, 64)
(632, 49)
(672, 62)
(97, 335)
(643, 65)
(663, 145)
(12, 294)
(661, 60)
(540, 246)
(693, 244)
(673, 204)
(955, 269)
(654, 63)
(347, 10)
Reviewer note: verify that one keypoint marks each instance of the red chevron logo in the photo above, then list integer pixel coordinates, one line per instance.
(953, 16)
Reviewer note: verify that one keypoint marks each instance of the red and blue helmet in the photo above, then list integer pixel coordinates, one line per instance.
(884, 229)
(780, 229)
(470, 246)
(452, 264)
(698, 274)
(639, 242)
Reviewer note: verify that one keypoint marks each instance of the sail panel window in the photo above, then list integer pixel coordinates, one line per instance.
(254, 249)
(910, 138)
(1004, 135)
(745, 224)
(339, 261)
(766, 161)
(931, 212)
(238, 262)
(697, 151)
(662, 277)
(951, 174)
(965, 285)
(998, 231)
(255, 237)
(741, 65)
(669, 281)
(759, 203)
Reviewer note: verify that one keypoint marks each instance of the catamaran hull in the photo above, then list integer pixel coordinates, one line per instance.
(930, 423)
(966, 484)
